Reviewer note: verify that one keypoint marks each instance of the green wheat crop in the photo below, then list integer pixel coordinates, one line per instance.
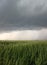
(23, 52)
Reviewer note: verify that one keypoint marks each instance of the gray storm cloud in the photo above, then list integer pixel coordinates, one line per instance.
(23, 14)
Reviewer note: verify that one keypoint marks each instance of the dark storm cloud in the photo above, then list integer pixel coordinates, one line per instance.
(23, 14)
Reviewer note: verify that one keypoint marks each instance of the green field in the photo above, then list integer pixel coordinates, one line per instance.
(23, 52)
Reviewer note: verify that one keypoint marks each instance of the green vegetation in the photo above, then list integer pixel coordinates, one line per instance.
(23, 52)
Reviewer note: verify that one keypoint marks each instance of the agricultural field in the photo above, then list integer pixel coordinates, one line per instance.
(23, 52)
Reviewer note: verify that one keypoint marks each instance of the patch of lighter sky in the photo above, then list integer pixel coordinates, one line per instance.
(25, 35)
(30, 6)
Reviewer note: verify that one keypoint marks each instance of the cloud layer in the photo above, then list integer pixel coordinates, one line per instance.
(23, 14)
(23, 19)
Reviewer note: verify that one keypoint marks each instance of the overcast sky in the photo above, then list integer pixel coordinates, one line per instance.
(23, 19)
